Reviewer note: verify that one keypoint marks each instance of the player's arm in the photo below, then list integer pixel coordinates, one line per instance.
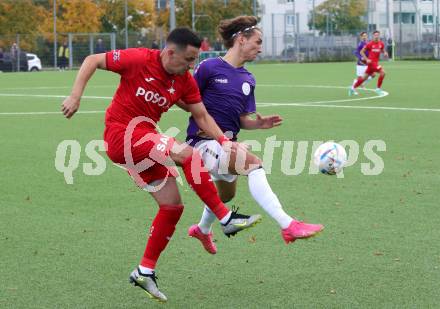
(260, 122)
(205, 122)
(364, 56)
(182, 105)
(88, 68)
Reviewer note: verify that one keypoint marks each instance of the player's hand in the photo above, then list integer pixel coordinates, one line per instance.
(234, 147)
(70, 106)
(267, 122)
(368, 61)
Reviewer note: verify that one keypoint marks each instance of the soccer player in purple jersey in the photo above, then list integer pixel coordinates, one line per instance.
(361, 65)
(227, 90)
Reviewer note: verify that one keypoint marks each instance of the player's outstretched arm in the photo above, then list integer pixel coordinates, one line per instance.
(88, 67)
(260, 122)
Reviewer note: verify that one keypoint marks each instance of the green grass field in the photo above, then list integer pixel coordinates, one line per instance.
(73, 246)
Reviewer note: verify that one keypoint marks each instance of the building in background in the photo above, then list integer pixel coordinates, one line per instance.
(410, 23)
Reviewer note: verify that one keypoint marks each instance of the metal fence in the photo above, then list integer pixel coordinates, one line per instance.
(284, 47)
(69, 51)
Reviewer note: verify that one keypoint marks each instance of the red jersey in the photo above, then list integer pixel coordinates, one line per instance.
(145, 88)
(374, 50)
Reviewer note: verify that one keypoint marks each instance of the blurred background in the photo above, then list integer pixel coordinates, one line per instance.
(59, 34)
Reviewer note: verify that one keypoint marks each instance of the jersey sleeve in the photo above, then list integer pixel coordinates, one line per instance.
(201, 75)
(192, 93)
(125, 61)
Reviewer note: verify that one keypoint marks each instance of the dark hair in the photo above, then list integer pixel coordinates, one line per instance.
(229, 29)
(183, 37)
(376, 31)
(362, 33)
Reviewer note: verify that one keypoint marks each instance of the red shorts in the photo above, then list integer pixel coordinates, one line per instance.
(143, 156)
(372, 68)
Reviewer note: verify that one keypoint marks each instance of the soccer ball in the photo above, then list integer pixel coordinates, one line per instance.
(330, 158)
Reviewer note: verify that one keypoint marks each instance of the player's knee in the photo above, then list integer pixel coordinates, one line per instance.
(253, 162)
(184, 154)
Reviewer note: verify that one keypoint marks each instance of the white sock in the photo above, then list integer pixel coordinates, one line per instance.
(145, 270)
(263, 195)
(225, 219)
(207, 220)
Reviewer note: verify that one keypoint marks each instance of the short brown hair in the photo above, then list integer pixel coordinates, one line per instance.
(229, 29)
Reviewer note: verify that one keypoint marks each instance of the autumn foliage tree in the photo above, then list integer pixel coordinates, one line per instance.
(20, 17)
(75, 16)
(338, 16)
(141, 15)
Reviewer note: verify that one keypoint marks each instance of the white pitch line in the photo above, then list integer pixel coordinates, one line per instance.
(264, 85)
(318, 104)
(408, 109)
(57, 87)
(352, 107)
(50, 113)
(56, 96)
(60, 113)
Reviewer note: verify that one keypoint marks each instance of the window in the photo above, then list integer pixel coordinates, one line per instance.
(290, 20)
(406, 18)
(427, 19)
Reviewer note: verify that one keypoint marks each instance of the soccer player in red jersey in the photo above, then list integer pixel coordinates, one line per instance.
(374, 48)
(151, 82)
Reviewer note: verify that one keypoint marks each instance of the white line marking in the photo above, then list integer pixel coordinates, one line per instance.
(408, 109)
(262, 85)
(58, 87)
(49, 113)
(49, 96)
(352, 107)
(318, 104)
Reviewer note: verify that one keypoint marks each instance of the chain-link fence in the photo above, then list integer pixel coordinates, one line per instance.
(35, 52)
(68, 51)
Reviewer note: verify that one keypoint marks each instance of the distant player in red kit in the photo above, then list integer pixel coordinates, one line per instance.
(151, 82)
(374, 48)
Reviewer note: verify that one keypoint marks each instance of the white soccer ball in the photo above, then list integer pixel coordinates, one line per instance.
(330, 158)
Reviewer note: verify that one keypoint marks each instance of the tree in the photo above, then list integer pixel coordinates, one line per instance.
(209, 14)
(141, 15)
(75, 16)
(21, 17)
(337, 16)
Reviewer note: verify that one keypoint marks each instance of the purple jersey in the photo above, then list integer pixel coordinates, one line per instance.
(358, 53)
(227, 93)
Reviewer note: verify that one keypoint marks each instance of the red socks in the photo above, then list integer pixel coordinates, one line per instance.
(161, 231)
(200, 181)
(359, 82)
(380, 80)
